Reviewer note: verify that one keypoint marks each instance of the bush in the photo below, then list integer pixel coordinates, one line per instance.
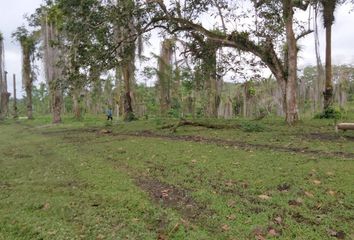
(329, 113)
(252, 127)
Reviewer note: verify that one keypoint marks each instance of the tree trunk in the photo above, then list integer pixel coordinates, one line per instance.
(328, 94)
(128, 75)
(52, 69)
(319, 83)
(291, 66)
(4, 98)
(210, 77)
(57, 106)
(15, 98)
(2, 77)
(76, 104)
(213, 93)
(165, 76)
(27, 77)
(29, 101)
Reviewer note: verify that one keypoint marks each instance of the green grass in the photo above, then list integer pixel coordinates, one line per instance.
(72, 182)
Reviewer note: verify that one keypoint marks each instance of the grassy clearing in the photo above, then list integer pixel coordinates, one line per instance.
(73, 181)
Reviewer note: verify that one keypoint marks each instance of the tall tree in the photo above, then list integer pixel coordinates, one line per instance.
(50, 19)
(320, 79)
(209, 67)
(28, 45)
(125, 29)
(276, 18)
(165, 75)
(328, 8)
(4, 95)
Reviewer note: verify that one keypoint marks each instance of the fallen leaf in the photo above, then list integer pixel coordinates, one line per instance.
(272, 232)
(105, 131)
(278, 220)
(162, 237)
(260, 237)
(244, 184)
(316, 182)
(53, 232)
(297, 202)
(229, 183)
(225, 227)
(319, 206)
(164, 193)
(308, 194)
(231, 203)
(332, 193)
(264, 197)
(46, 206)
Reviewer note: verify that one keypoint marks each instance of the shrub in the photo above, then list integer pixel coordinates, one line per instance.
(329, 113)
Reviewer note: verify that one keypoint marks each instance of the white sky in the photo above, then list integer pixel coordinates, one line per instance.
(12, 12)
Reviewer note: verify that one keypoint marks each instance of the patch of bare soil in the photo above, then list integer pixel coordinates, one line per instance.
(172, 197)
(5, 185)
(67, 131)
(243, 145)
(328, 137)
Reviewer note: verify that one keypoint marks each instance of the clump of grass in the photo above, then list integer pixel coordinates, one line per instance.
(252, 127)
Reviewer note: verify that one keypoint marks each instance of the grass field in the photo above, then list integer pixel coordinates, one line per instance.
(96, 180)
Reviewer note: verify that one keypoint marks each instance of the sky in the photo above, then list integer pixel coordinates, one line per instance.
(12, 16)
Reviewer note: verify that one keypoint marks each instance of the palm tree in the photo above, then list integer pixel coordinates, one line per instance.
(28, 45)
(328, 8)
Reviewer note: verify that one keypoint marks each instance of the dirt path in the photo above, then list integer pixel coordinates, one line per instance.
(239, 144)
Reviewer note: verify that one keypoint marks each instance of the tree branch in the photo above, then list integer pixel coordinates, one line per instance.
(303, 34)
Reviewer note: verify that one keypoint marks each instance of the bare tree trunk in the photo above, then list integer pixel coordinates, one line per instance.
(328, 94)
(245, 99)
(165, 75)
(76, 104)
(128, 76)
(29, 101)
(53, 71)
(15, 98)
(118, 92)
(4, 95)
(57, 106)
(319, 83)
(210, 78)
(291, 83)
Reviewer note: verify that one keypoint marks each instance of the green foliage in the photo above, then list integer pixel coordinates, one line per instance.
(251, 91)
(252, 127)
(330, 113)
(175, 110)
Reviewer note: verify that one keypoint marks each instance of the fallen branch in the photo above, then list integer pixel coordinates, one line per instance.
(345, 126)
(184, 122)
